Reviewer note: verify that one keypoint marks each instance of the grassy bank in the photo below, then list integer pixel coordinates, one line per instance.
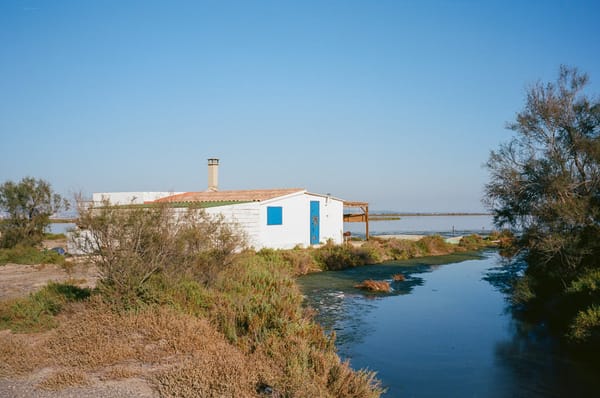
(330, 257)
(247, 331)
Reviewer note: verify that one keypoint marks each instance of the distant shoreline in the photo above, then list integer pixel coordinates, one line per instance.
(397, 216)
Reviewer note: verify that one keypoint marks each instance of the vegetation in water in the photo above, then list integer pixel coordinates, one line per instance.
(545, 183)
(374, 286)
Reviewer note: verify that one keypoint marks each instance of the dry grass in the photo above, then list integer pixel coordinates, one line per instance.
(19, 354)
(120, 372)
(398, 278)
(64, 378)
(374, 286)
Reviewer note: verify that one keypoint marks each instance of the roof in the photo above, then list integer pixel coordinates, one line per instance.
(252, 195)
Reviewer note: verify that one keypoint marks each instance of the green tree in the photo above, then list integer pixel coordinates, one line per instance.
(545, 183)
(28, 205)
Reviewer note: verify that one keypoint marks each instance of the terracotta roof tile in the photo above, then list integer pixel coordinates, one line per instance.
(254, 195)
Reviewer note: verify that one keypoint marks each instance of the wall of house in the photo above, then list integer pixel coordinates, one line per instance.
(129, 198)
(245, 216)
(332, 218)
(295, 227)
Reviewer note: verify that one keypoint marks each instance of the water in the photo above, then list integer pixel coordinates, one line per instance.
(61, 228)
(425, 225)
(445, 331)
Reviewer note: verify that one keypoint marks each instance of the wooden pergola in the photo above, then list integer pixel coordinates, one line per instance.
(358, 217)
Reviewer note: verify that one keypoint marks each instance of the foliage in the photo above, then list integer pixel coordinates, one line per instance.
(586, 325)
(36, 312)
(131, 245)
(29, 255)
(545, 183)
(471, 242)
(374, 286)
(28, 205)
(51, 236)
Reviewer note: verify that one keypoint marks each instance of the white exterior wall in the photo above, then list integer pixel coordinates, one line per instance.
(332, 218)
(246, 216)
(129, 198)
(295, 227)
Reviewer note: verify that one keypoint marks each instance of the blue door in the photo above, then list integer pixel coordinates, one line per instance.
(315, 222)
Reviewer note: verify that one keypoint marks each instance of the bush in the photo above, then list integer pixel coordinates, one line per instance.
(586, 326)
(471, 242)
(36, 312)
(29, 255)
(131, 245)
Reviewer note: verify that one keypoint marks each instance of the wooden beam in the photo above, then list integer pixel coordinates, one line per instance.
(364, 217)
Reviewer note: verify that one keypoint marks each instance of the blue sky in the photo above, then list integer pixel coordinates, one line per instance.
(393, 102)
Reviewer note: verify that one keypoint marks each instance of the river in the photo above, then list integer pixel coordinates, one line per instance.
(446, 331)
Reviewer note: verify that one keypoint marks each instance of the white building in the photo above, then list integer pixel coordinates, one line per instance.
(271, 218)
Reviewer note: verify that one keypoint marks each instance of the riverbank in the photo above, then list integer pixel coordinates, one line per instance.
(246, 334)
(330, 257)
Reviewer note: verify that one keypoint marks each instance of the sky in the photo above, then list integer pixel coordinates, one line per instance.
(396, 103)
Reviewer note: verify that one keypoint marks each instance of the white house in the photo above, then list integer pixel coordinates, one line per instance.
(272, 218)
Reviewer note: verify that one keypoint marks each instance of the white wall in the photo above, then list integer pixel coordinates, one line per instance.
(245, 216)
(295, 228)
(128, 198)
(332, 218)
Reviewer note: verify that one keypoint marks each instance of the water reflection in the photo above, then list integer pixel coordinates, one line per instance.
(446, 331)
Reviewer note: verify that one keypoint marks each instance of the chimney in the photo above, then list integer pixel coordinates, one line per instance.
(213, 175)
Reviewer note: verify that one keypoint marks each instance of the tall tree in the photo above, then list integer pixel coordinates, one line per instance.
(545, 181)
(28, 205)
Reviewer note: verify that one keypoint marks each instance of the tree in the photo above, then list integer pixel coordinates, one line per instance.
(545, 183)
(28, 205)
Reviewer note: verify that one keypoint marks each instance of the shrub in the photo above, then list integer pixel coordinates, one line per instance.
(29, 255)
(433, 244)
(586, 326)
(134, 244)
(471, 242)
(36, 312)
(374, 286)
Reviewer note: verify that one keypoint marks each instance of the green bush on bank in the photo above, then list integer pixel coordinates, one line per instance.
(37, 311)
(29, 255)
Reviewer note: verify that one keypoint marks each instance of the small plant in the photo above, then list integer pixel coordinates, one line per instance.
(30, 255)
(586, 326)
(37, 311)
(374, 286)
(398, 278)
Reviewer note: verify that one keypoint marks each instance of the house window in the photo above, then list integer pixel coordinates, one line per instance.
(274, 215)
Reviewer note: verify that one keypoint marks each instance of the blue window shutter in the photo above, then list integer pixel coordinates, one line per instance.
(274, 215)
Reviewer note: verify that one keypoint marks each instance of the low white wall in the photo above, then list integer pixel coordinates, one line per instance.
(129, 198)
(245, 216)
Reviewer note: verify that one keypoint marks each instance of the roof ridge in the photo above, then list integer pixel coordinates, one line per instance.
(244, 195)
